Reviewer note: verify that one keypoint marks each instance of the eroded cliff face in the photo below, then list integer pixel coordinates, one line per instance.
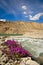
(30, 28)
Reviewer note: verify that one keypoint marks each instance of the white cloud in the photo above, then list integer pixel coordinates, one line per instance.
(3, 20)
(24, 12)
(35, 17)
(24, 7)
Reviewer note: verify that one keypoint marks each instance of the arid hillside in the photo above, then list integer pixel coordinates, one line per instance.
(21, 28)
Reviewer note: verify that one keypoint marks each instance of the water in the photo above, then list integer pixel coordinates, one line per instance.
(33, 45)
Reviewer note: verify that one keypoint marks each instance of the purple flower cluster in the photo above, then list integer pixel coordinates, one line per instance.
(16, 50)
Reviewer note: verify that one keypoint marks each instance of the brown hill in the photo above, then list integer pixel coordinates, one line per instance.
(20, 27)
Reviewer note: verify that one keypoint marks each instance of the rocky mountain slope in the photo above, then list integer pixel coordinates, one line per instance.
(21, 28)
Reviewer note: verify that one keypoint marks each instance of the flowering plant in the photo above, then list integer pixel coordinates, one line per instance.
(14, 50)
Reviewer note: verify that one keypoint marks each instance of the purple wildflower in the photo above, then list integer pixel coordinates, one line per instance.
(16, 49)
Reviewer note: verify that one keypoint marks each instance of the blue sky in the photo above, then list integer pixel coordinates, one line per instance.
(22, 10)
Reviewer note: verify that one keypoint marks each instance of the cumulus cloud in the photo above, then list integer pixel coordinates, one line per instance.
(35, 17)
(24, 7)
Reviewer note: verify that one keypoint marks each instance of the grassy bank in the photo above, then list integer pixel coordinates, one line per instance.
(11, 34)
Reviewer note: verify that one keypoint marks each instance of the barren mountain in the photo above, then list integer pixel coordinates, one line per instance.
(26, 28)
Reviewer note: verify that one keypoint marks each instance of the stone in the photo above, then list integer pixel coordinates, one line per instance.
(28, 61)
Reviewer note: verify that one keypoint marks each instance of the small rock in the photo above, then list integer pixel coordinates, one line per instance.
(31, 62)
